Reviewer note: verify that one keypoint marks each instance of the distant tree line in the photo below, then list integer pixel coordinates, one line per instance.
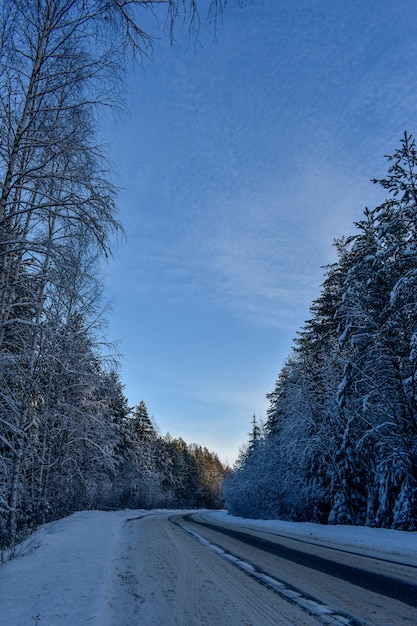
(110, 457)
(339, 445)
(65, 434)
(160, 471)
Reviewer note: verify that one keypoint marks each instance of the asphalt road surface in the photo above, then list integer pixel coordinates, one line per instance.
(185, 570)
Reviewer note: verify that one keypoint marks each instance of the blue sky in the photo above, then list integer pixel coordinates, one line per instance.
(239, 162)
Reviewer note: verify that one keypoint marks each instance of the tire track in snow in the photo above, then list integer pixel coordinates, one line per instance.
(312, 606)
(371, 581)
(164, 576)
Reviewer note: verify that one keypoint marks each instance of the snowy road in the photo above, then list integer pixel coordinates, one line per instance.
(188, 570)
(132, 568)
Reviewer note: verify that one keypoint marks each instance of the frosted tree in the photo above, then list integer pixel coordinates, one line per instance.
(342, 422)
(60, 60)
(142, 426)
(378, 324)
(62, 397)
(210, 474)
(51, 179)
(256, 486)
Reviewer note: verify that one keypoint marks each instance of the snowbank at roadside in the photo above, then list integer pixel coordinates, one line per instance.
(379, 542)
(63, 572)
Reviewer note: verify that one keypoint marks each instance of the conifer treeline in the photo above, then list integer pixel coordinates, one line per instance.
(155, 471)
(110, 457)
(340, 441)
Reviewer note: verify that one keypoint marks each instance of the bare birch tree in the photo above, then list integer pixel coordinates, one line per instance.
(60, 60)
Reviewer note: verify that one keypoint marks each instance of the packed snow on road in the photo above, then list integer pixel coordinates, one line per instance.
(68, 572)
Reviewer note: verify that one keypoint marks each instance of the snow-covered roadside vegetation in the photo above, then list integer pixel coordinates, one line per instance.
(66, 439)
(340, 442)
(63, 574)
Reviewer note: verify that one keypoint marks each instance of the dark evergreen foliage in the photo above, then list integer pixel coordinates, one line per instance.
(340, 444)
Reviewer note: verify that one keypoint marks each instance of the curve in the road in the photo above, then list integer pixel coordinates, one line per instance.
(321, 612)
(378, 583)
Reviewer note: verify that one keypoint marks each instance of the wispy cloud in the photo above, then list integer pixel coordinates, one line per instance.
(262, 256)
(259, 253)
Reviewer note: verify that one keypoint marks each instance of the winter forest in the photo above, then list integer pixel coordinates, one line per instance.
(68, 439)
(339, 445)
(340, 441)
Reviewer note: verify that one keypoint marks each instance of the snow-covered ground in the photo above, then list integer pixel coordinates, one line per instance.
(63, 574)
(380, 542)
